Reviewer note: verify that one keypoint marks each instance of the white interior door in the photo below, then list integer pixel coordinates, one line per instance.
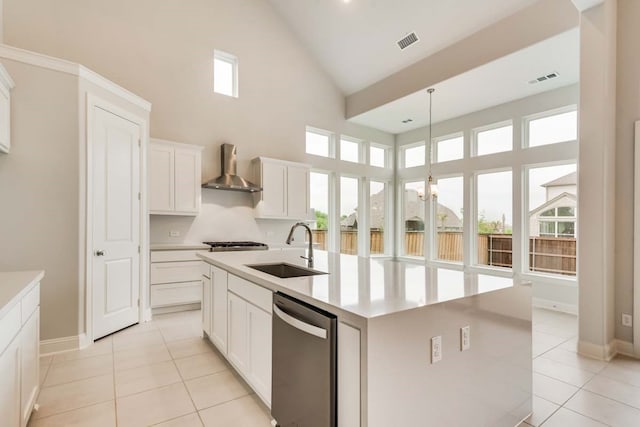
(116, 222)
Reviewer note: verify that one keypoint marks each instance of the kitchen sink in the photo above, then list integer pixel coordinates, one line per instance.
(285, 270)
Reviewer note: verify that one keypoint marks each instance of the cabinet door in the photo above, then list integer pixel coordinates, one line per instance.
(237, 339)
(10, 384)
(297, 192)
(206, 305)
(274, 193)
(187, 170)
(161, 184)
(259, 337)
(219, 308)
(30, 361)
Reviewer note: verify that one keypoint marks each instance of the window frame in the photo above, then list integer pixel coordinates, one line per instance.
(361, 145)
(331, 140)
(526, 121)
(387, 156)
(231, 59)
(403, 151)
(496, 125)
(436, 140)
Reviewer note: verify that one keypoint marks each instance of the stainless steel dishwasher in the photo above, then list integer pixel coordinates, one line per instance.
(304, 376)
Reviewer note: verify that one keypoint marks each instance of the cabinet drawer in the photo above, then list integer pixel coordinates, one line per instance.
(9, 326)
(30, 302)
(172, 272)
(168, 256)
(176, 293)
(255, 294)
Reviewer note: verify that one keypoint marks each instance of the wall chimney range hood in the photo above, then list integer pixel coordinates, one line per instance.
(229, 180)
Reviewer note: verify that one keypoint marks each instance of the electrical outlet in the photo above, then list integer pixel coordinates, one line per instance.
(174, 233)
(436, 349)
(465, 338)
(627, 320)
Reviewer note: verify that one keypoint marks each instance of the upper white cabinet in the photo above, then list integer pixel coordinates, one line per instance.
(6, 84)
(174, 178)
(285, 191)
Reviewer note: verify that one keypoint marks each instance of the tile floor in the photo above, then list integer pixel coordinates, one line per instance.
(574, 391)
(158, 373)
(162, 373)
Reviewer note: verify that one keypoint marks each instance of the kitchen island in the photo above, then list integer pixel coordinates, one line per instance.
(387, 313)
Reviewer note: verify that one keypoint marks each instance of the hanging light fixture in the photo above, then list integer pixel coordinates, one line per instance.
(433, 188)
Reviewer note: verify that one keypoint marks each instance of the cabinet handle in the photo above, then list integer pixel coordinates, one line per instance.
(100, 252)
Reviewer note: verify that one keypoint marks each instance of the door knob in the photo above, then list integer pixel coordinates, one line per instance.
(100, 253)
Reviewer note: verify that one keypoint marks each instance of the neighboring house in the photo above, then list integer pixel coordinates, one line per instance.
(446, 219)
(557, 216)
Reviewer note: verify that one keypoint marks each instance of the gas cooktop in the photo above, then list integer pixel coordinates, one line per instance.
(236, 246)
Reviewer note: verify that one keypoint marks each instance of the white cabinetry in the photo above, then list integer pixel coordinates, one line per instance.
(174, 178)
(19, 352)
(6, 84)
(206, 304)
(219, 308)
(176, 280)
(285, 191)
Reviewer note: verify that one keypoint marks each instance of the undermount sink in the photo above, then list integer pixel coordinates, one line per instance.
(285, 270)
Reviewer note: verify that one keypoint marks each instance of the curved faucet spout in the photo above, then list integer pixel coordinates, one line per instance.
(309, 258)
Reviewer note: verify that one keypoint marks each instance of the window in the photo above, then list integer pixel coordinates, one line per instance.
(413, 218)
(350, 149)
(349, 197)
(318, 142)
(448, 148)
(448, 220)
(553, 129)
(377, 216)
(377, 156)
(225, 73)
(552, 219)
(495, 140)
(493, 191)
(319, 201)
(414, 155)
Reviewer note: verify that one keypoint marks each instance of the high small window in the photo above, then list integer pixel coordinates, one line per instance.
(319, 142)
(414, 155)
(495, 140)
(553, 129)
(225, 73)
(350, 149)
(377, 156)
(448, 148)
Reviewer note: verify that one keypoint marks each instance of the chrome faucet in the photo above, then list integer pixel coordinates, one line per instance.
(290, 239)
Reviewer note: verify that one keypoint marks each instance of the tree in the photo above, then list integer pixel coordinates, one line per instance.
(321, 220)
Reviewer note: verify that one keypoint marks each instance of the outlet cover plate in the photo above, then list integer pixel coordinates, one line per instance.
(436, 349)
(627, 320)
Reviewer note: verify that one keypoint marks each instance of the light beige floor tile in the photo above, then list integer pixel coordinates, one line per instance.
(626, 363)
(566, 418)
(215, 389)
(178, 318)
(620, 373)
(200, 365)
(544, 342)
(46, 359)
(154, 406)
(100, 415)
(191, 420)
(45, 364)
(542, 409)
(73, 370)
(189, 347)
(615, 390)
(126, 342)
(138, 328)
(98, 348)
(571, 345)
(243, 412)
(144, 378)
(604, 410)
(66, 397)
(572, 358)
(181, 332)
(140, 356)
(562, 372)
(552, 390)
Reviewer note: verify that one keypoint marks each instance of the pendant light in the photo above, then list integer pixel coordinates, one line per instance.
(433, 188)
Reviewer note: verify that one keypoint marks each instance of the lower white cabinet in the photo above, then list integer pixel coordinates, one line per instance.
(238, 343)
(175, 279)
(259, 350)
(206, 305)
(10, 384)
(30, 364)
(219, 308)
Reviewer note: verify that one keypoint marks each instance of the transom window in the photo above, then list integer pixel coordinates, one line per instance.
(553, 129)
(225, 73)
(377, 156)
(494, 140)
(414, 155)
(319, 142)
(448, 148)
(350, 149)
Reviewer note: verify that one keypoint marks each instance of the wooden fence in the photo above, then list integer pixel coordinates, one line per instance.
(546, 254)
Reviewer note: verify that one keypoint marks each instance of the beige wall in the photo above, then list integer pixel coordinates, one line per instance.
(39, 191)
(627, 112)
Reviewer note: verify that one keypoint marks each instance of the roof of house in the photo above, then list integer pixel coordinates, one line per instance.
(543, 207)
(568, 179)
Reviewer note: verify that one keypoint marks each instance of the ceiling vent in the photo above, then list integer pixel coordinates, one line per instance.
(407, 41)
(544, 78)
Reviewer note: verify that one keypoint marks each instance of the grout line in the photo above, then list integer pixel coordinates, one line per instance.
(68, 410)
(113, 372)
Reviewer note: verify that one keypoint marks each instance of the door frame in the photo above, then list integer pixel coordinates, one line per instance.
(636, 242)
(86, 213)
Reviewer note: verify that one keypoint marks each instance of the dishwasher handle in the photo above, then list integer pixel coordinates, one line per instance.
(299, 324)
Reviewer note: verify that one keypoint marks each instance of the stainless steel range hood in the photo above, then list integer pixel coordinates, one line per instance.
(229, 180)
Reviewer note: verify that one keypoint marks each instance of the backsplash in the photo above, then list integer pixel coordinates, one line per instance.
(224, 216)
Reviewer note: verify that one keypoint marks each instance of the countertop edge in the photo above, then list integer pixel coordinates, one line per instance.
(26, 288)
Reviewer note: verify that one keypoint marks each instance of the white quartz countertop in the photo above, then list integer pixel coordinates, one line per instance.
(177, 246)
(366, 287)
(14, 285)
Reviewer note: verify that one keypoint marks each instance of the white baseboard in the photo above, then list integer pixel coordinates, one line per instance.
(599, 352)
(554, 305)
(626, 348)
(175, 308)
(58, 345)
